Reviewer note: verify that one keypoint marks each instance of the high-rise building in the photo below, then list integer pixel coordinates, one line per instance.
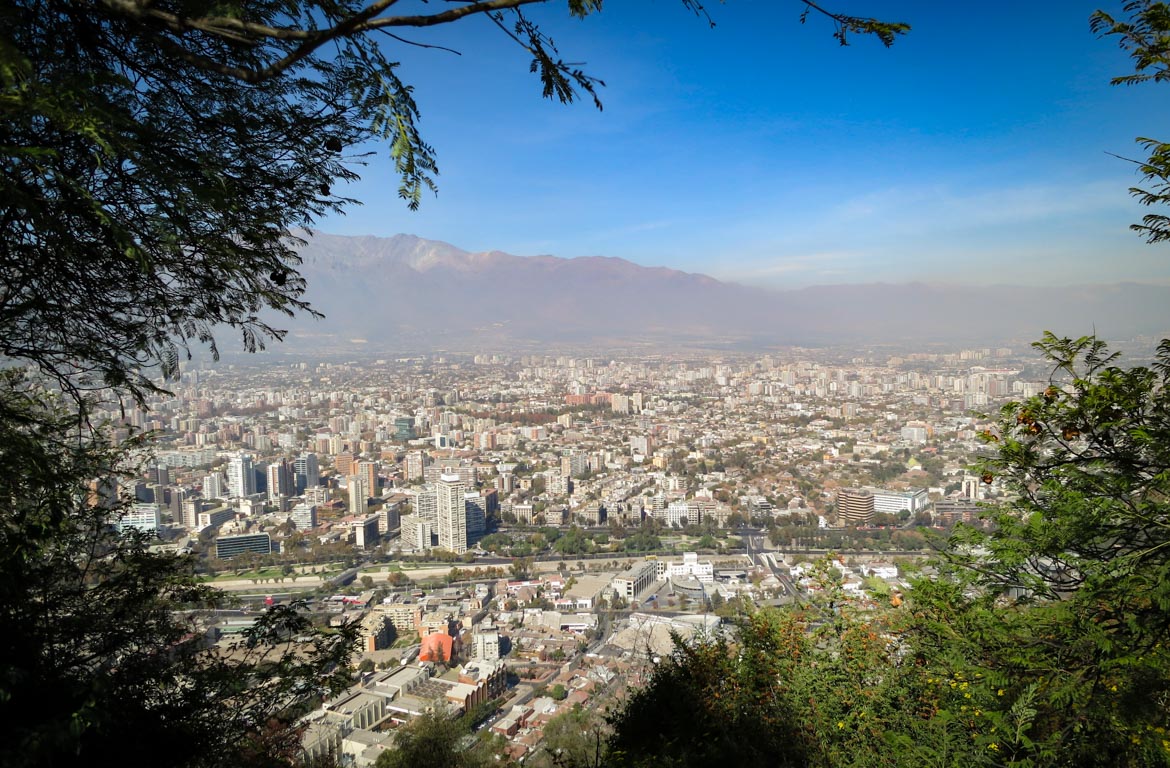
(344, 463)
(476, 512)
(365, 532)
(491, 503)
(103, 492)
(214, 486)
(191, 510)
(416, 533)
(359, 494)
(854, 506)
(971, 487)
(415, 464)
(307, 472)
(575, 464)
(389, 517)
(280, 480)
(369, 473)
(174, 504)
(452, 514)
(426, 506)
(241, 478)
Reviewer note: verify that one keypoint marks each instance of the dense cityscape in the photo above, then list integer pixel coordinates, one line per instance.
(808, 408)
(514, 536)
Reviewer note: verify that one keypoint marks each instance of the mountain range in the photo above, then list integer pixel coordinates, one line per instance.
(406, 292)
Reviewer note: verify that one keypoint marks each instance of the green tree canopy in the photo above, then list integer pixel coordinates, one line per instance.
(434, 739)
(574, 739)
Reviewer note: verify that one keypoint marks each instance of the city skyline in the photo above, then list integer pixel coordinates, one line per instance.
(976, 149)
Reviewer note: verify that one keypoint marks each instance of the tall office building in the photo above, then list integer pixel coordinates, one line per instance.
(971, 488)
(231, 546)
(476, 513)
(160, 474)
(365, 532)
(103, 492)
(241, 477)
(452, 514)
(307, 472)
(280, 480)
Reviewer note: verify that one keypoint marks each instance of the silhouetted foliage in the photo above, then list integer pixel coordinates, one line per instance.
(101, 655)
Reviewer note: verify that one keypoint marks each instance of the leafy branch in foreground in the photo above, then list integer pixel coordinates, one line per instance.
(103, 655)
(1065, 599)
(1144, 33)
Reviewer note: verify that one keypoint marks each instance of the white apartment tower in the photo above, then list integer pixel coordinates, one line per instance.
(214, 487)
(359, 493)
(452, 514)
(241, 477)
(426, 506)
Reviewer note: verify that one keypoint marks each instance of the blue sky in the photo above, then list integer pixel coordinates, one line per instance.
(974, 150)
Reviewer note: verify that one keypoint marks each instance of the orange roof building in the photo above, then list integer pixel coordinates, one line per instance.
(437, 647)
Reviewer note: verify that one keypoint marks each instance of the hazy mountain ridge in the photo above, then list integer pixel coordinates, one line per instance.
(405, 290)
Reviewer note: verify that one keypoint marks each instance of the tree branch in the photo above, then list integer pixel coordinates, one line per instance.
(238, 31)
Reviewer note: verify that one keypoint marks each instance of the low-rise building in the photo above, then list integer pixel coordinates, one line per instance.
(634, 580)
(690, 566)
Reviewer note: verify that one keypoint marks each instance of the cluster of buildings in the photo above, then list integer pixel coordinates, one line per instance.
(535, 648)
(432, 451)
(355, 727)
(414, 454)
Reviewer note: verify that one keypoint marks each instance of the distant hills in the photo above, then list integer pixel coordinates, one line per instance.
(405, 292)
